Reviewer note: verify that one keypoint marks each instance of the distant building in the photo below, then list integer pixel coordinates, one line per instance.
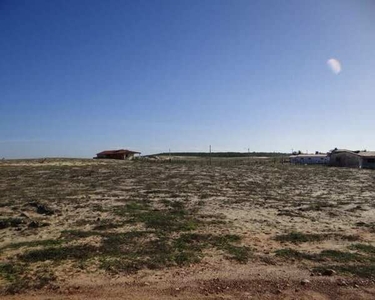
(116, 154)
(352, 159)
(309, 159)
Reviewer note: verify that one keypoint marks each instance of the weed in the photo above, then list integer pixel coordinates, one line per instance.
(99, 208)
(365, 248)
(119, 243)
(32, 244)
(175, 218)
(291, 253)
(298, 237)
(238, 253)
(136, 206)
(319, 206)
(364, 271)
(77, 234)
(60, 253)
(107, 224)
(225, 243)
(172, 220)
(11, 271)
(340, 256)
(14, 274)
(370, 226)
(117, 265)
(10, 222)
(332, 255)
(155, 253)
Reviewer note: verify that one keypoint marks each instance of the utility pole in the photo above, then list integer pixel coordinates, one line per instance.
(210, 156)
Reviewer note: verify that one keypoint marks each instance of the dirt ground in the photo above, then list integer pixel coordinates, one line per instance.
(160, 229)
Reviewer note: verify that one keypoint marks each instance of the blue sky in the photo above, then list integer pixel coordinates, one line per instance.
(78, 77)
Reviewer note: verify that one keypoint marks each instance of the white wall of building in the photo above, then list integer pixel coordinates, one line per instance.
(309, 159)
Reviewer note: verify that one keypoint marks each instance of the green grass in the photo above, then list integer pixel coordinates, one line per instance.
(164, 243)
(174, 218)
(361, 270)
(164, 252)
(292, 254)
(131, 208)
(10, 222)
(11, 271)
(136, 206)
(31, 244)
(78, 234)
(365, 271)
(59, 253)
(19, 280)
(107, 224)
(369, 226)
(365, 248)
(353, 263)
(225, 243)
(135, 250)
(340, 256)
(319, 206)
(330, 255)
(299, 237)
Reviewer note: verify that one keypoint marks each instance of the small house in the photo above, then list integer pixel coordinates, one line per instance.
(352, 159)
(309, 159)
(116, 154)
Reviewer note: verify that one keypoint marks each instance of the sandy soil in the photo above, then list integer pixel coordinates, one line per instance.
(257, 200)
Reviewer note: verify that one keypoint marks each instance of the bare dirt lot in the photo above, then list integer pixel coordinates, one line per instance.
(238, 229)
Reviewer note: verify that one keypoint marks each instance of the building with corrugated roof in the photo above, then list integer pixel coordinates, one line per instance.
(352, 159)
(116, 154)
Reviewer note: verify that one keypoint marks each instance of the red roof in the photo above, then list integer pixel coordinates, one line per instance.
(121, 151)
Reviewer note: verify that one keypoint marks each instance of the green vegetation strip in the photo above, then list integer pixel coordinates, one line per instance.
(10, 222)
(19, 279)
(174, 218)
(334, 255)
(168, 240)
(298, 237)
(31, 244)
(364, 271)
(359, 264)
(131, 251)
